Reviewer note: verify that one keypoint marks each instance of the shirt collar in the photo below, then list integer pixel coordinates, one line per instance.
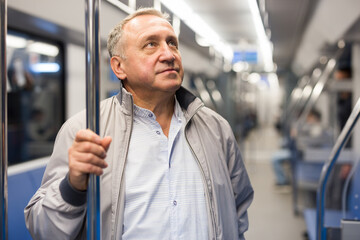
(145, 113)
(142, 112)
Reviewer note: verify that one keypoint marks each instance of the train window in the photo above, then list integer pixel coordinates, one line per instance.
(35, 80)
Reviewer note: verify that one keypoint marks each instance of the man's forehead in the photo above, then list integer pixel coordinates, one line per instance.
(143, 21)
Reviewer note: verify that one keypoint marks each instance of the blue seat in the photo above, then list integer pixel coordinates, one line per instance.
(21, 187)
(305, 175)
(308, 173)
(333, 217)
(332, 220)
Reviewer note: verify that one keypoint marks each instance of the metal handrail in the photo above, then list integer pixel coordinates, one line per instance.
(328, 166)
(318, 88)
(92, 46)
(295, 97)
(298, 106)
(3, 116)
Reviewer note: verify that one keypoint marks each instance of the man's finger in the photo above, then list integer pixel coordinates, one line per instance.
(87, 135)
(105, 143)
(90, 147)
(88, 158)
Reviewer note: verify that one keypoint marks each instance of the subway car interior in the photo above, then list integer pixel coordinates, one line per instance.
(284, 74)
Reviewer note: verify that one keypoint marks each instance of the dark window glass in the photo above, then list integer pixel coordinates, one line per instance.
(35, 95)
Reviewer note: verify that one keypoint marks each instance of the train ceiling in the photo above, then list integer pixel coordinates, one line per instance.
(299, 30)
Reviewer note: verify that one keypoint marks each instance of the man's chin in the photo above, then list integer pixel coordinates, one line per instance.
(176, 86)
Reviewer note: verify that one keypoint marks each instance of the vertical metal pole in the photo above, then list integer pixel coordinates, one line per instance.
(92, 45)
(321, 230)
(3, 115)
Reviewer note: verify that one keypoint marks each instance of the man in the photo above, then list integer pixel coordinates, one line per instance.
(170, 168)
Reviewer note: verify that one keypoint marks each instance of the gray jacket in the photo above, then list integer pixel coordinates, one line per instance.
(58, 211)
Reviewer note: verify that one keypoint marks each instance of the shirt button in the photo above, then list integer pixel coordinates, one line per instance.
(150, 115)
(174, 202)
(158, 132)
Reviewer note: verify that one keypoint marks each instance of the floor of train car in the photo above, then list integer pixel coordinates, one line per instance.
(271, 213)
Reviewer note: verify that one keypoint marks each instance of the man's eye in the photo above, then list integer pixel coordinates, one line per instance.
(173, 44)
(150, 44)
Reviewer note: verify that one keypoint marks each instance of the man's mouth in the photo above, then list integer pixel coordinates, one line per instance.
(170, 70)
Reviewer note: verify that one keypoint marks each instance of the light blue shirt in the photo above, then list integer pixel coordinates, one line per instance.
(164, 195)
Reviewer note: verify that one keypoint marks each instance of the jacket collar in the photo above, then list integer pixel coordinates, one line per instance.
(188, 102)
(125, 99)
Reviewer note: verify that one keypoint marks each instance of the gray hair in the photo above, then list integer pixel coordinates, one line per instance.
(115, 36)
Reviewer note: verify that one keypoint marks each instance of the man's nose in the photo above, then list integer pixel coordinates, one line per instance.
(167, 54)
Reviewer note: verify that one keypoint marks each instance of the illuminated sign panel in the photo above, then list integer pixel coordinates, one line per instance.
(245, 56)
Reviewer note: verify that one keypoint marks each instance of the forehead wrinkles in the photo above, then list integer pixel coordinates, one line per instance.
(147, 25)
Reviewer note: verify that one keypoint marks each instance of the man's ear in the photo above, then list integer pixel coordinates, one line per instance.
(117, 66)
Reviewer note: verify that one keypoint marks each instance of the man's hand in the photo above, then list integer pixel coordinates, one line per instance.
(87, 155)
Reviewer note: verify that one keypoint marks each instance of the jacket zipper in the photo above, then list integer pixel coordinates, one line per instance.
(204, 178)
(122, 177)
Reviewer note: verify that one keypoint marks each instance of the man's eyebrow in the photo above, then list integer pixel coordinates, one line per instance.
(156, 37)
(171, 37)
(150, 37)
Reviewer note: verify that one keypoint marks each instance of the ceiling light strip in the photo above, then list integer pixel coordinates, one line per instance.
(198, 25)
(263, 41)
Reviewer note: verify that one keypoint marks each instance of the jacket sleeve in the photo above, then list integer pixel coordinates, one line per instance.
(57, 210)
(243, 191)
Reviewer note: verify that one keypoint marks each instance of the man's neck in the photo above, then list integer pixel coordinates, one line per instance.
(163, 109)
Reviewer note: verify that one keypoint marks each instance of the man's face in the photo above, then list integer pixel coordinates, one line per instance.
(152, 61)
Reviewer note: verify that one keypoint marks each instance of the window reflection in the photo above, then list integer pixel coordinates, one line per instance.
(35, 96)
